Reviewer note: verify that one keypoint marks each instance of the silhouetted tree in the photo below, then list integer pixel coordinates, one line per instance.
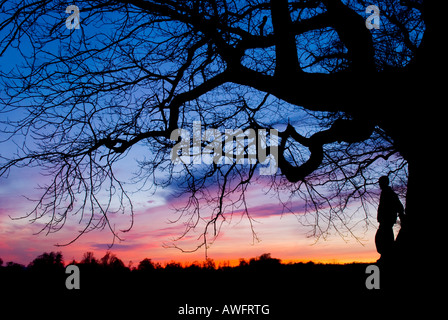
(14, 267)
(209, 264)
(351, 103)
(264, 262)
(110, 261)
(48, 262)
(173, 266)
(146, 265)
(195, 266)
(88, 258)
(243, 263)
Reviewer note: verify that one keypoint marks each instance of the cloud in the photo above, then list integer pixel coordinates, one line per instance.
(122, 247)
(275, 209)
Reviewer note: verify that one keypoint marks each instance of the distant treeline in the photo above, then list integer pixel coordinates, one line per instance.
(54, 261)
(151, 287)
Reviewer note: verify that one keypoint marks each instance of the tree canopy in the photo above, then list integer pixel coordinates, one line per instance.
(76, 101)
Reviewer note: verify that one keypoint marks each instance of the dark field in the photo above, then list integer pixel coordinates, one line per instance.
(261, 288)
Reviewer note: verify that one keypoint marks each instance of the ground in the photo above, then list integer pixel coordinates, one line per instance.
(287, 291)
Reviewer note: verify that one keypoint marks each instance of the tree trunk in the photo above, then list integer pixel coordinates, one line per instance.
(419, 239)
(421, 141)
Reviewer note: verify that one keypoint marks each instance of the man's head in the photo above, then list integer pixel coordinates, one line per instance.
(383, 182)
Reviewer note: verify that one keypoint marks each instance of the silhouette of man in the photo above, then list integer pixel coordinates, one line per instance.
(388, 209)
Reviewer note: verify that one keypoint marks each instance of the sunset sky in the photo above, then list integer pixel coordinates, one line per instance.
(278, 233)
